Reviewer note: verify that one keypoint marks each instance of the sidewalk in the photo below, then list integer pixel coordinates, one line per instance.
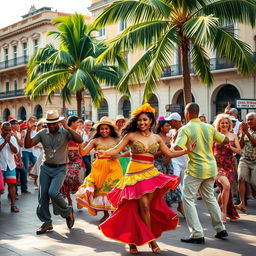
(17, 235)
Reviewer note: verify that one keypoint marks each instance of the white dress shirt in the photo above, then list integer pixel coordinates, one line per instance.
(6, 155)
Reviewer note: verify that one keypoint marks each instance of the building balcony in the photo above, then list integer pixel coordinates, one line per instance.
(12, 94)
(215, 64)
(14, 62)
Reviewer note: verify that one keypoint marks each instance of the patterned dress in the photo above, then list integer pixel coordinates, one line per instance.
(172, 195)
(71, 182)
(226, 167)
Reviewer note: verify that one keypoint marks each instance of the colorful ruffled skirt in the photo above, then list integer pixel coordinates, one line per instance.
(125, 224)
(92, 194)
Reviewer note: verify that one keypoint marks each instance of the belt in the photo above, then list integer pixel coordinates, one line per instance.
(54, 165)
(142, 159)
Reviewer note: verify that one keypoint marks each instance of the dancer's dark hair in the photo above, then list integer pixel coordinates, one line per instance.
(112, 134)
(132, 125)
(72, 119)
(160, 124)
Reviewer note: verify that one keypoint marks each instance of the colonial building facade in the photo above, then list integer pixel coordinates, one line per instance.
(17, 43)
(228, 84)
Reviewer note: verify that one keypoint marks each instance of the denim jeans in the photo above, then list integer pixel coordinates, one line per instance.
(22, 174)
(51, 180)
(28, 157)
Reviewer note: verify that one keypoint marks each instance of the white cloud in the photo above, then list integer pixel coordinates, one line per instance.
(12, 10)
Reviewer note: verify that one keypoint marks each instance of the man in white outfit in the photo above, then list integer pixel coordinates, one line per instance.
(179, 163)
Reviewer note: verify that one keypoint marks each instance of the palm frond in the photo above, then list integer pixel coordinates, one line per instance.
(202, 29)
(201, 64)
(132, 11)
(161, 59)
(241, 11)
(234, 50)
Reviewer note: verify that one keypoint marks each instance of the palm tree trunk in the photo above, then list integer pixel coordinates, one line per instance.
(79, 98)
(186, 73)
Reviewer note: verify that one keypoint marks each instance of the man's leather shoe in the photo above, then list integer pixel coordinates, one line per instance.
(191, 240)
(44, 229)
(222, 234)
(70, 220)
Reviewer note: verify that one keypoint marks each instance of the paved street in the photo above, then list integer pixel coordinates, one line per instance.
(17, 235)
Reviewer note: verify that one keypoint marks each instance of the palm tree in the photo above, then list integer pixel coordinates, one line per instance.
(72, 68)
(193, 26)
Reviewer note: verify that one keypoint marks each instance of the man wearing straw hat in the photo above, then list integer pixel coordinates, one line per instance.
(55, 141)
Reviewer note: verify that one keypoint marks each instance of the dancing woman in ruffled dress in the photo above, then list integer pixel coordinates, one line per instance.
(105, 172)
(142, 214)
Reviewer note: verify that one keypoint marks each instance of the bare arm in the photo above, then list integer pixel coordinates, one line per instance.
(237, 148)
(28, 142)
(118, 148)
(85, 150)
(178, 151)
(75, 136)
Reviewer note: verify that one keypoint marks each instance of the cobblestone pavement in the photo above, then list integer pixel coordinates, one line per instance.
(17, 234)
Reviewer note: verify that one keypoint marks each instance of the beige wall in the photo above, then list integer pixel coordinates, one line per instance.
(27, 30)
(170, 87)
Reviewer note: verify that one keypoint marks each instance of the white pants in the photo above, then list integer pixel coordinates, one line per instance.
(205, 186)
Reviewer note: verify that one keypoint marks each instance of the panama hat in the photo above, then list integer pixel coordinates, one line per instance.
(104, 120)
(52, 116)
(120, 117)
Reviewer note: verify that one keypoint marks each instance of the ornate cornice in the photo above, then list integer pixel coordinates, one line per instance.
(26, 28)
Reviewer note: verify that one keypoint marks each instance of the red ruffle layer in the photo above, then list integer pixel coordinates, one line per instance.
(126, 225)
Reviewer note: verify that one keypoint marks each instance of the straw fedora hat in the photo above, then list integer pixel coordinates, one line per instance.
(120, 117)
(52, 116)
(104, 120)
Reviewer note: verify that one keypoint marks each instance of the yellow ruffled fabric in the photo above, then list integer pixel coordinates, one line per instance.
(133, 176)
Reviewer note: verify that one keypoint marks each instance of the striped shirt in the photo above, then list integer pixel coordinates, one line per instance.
(202, 163)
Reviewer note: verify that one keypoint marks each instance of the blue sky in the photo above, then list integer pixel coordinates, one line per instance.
(12, 10)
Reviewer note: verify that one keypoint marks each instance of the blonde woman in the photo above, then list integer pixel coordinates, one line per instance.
(226, 166)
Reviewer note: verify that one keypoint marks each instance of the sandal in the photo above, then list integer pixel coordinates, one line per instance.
(14, 208)
(155, 249)
(133, 249)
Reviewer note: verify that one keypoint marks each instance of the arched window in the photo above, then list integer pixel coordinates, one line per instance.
(180, 99)
(103, 110)
(38, 111)
(126, 108)
(22, 114)
(153, 101)
(6, 113)
(228, 93)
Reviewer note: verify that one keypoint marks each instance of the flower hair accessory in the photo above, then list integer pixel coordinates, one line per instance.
(144, 108)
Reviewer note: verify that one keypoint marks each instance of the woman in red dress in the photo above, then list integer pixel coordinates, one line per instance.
(142, 214)
(226, 166)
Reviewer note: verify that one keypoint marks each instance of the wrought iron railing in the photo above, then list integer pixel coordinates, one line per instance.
(14, 62)
(215, 64)
(12, 94)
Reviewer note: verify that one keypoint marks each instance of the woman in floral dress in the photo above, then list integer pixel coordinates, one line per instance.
(71, 182)
(226, 166)
(164, 165)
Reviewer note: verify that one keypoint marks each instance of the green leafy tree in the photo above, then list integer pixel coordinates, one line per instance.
(72, 68)
(193, 26)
